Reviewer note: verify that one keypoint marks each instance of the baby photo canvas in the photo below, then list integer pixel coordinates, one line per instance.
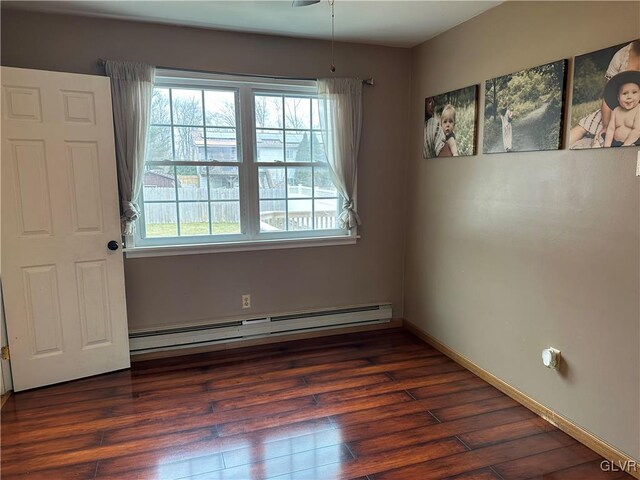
(450, 121)
(590, 111)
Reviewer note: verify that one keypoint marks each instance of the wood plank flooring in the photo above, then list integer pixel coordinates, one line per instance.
(377, 406)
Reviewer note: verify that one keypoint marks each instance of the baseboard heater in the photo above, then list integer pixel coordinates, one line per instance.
(278, 325)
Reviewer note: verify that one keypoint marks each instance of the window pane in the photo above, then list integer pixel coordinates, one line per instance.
(222, 145)
(194, 218)
(297, 112)
(220, 108)
(317, 148)
(300, 215)
(192, 183)
(160, 112)
(269, 145)
(298, 146)
(299, 182)
(323, 185)
(160, 219)
(187, 107)
(272, 182)
(189, 143)
(326, 213)
(159, 144)
(226, 217)
(315, 114)
(224, 183)
(272, 215)
(159, 184)
(268, 111)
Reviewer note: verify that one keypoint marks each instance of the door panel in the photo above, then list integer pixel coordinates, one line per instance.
(31, 187)
(63, 289)
(43, 312)
(95, 315)
(84, 178)
(22, 104)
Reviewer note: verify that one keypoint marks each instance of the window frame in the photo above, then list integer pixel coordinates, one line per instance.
(250, 238)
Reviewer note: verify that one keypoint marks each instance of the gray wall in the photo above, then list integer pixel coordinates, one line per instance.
(173, 290)
(508, 254)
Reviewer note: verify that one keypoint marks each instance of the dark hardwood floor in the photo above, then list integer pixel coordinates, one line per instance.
(378, 405)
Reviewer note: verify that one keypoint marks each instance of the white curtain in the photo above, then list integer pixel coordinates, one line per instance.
(131, 92)
(340, 106)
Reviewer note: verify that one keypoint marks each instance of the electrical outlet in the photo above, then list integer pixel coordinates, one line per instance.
(246, 301)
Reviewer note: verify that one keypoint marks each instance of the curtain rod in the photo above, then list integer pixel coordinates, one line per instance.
(367, 81)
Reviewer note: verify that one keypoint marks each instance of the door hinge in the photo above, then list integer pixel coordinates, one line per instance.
(4, 353)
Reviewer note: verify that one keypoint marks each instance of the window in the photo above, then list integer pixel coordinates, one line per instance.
(235, 160)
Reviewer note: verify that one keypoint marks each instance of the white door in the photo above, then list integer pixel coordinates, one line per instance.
(5, 369)
(63, 288)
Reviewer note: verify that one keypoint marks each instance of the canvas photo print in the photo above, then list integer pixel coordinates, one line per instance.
(523, 110)
(450, 123)
(606, 93)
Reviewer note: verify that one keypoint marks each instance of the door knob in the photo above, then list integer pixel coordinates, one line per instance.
(112, 245)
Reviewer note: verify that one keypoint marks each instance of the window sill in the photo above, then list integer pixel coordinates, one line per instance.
(193, 249)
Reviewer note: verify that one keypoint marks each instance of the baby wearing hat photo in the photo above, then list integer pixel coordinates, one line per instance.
(622, 94)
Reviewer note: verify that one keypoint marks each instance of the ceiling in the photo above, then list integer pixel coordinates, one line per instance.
(393, 23)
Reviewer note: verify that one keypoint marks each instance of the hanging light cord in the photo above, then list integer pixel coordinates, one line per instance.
(333, 36)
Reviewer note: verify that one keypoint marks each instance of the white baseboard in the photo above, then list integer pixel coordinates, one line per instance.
(242, 329)
(393, 323)
(608, 451)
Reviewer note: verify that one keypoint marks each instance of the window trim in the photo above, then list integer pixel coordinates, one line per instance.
(240, 246)
(245, 89)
